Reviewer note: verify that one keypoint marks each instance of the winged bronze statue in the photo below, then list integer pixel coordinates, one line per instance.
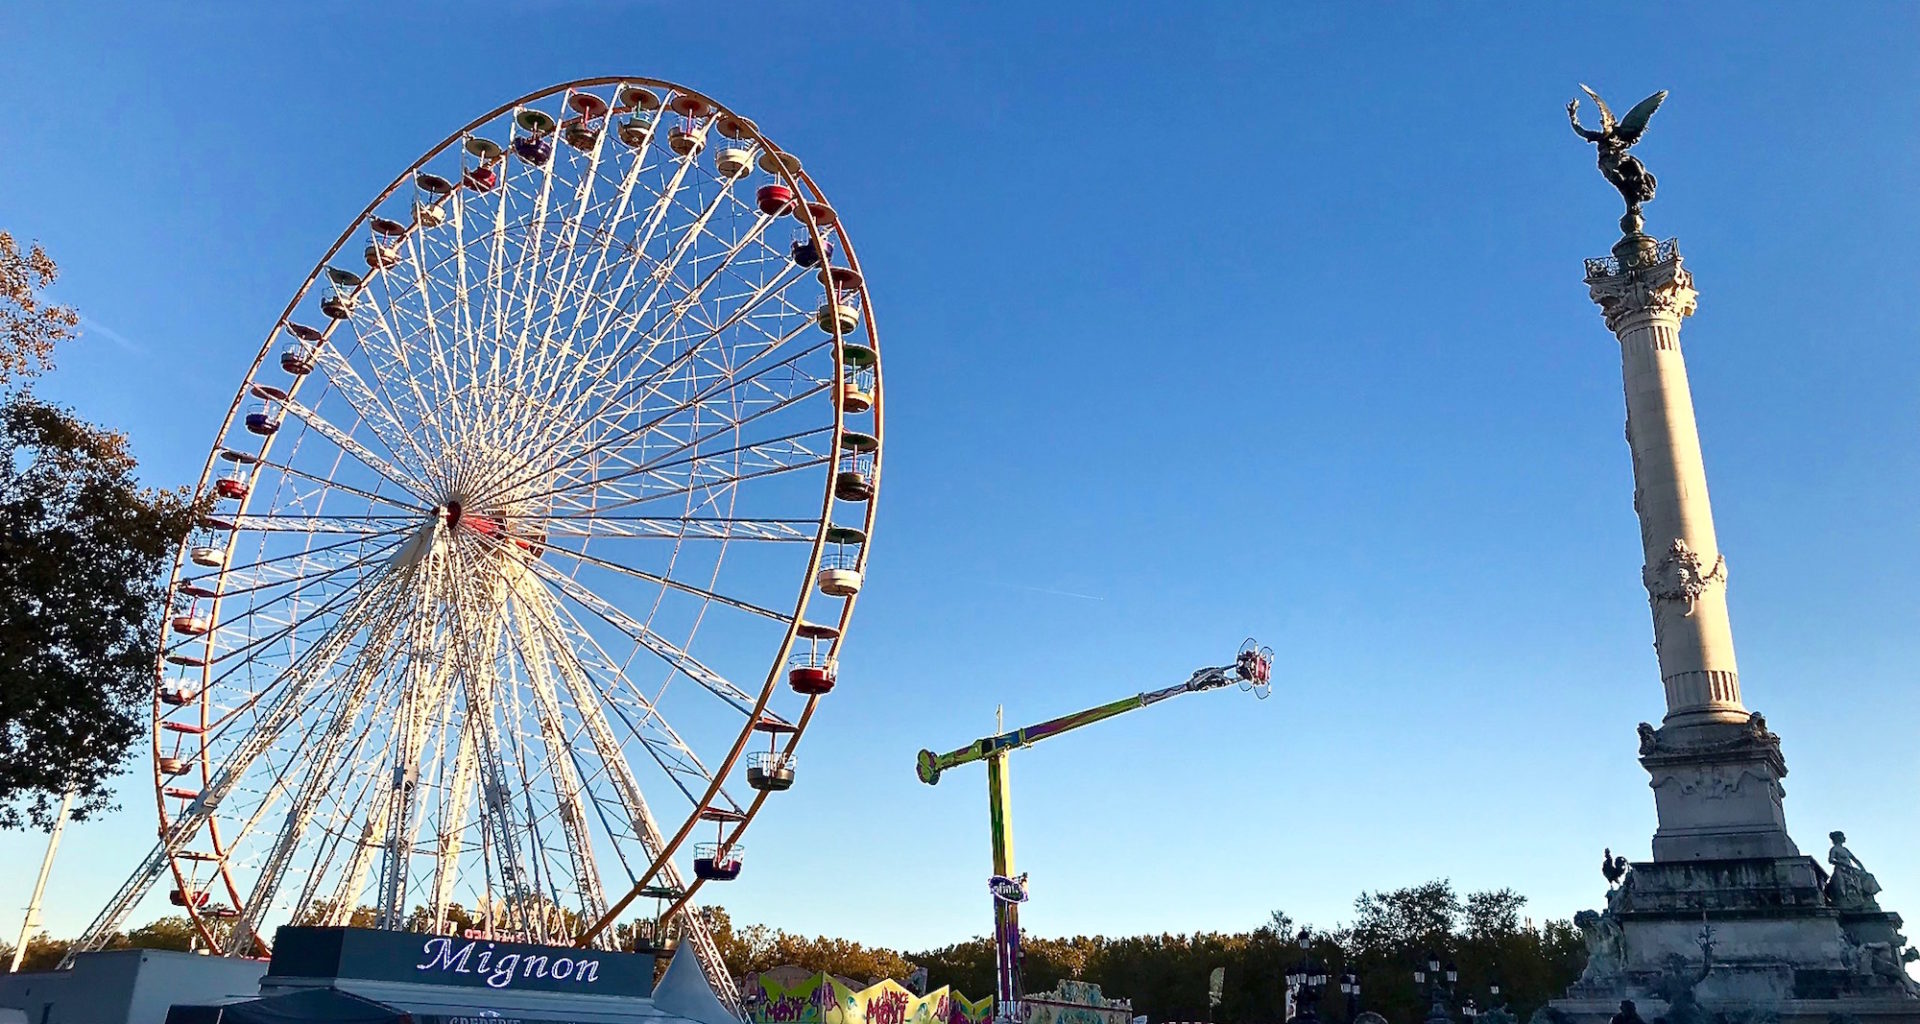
(1615, 137)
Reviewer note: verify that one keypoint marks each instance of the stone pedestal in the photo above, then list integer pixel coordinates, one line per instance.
(1728, 922)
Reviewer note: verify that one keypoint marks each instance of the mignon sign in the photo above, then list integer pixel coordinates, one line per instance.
(449, 960)
(499, 968)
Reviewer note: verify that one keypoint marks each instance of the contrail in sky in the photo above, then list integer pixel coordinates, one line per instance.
(1050, 590)
(112, 335)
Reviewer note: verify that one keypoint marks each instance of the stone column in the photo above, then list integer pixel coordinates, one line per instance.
(1715, 768)
(1685, 575)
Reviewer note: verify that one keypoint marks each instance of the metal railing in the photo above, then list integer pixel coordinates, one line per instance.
(1610, 266)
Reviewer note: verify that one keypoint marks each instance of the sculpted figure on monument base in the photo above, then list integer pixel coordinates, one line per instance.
(1606, 944)
(1678, 983)
(1852, 886)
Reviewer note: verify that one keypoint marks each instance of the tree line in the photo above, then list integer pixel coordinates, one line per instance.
(1483, 934)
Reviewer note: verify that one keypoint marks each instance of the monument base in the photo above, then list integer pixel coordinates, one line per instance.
(1746, 940)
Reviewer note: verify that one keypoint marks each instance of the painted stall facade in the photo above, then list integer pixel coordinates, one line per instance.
(789, 996)
(1077, 1002)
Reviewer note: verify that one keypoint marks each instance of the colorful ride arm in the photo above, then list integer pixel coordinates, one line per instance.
(1251, 669)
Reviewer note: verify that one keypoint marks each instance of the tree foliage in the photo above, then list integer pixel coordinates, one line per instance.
(1166, 975)
(30, 327)
(83, 545)
(757, 948)
(44, 952)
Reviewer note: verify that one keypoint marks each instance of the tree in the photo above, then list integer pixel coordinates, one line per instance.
(44, 952)
(83, 545)
(1400, 919)
(174, 932)
(30, 328)
(1491, 915)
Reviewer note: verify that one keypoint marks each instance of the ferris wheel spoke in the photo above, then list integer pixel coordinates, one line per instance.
(587, 300)
(329, 484)
(532, 268)
(594, 512)
(382, 336)
(425, 683)
(572, 640)
(562, 771)
(443, 349)
(456, 802)
(181, 830)
(753, 457)
(346, 443)
(720, 528)
(645, 385)
(338, 833)
(567, 270)
(293, 566)
(284, 711)
(219, 649)
(477, 664)
(637, 631)
(365, 525)
(586, 699)
(621, 438)
(373, 407)
(695, 344)
(673, 584)
(322, 773)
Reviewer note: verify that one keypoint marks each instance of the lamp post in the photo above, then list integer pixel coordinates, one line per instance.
(1350, 987)
(1306, 979)
(1440, 981)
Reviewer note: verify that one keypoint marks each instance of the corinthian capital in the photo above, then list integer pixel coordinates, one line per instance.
(1655, 287)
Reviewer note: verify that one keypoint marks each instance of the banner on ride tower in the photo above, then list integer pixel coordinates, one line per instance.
(1077, 1002)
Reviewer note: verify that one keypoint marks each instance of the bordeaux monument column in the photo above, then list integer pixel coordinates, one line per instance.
(1728, 916)
(1715, 768)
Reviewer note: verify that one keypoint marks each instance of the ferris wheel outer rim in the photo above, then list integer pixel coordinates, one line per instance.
(846, 613)
(181, 564)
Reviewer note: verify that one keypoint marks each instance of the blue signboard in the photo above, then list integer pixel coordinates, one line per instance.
(302, 952)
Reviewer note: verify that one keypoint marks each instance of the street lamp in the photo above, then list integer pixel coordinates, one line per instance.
(1306, 978)
(1440, 982)
(1350, 987)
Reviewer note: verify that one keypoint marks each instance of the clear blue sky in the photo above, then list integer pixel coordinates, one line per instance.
(1200, 322)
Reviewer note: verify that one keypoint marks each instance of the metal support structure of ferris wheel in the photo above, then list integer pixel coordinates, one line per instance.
(511, 555)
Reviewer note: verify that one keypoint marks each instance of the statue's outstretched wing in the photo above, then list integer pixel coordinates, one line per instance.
(1636, 120)
(1606, 113)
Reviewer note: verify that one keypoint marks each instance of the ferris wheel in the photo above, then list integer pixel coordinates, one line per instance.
(533, 533)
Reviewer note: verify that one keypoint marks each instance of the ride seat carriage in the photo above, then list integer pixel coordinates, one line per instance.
(583, 133)
(770, 771)
(853, 480)
(713, 864)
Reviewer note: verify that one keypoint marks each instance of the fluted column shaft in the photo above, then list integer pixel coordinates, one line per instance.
(1684, 573)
